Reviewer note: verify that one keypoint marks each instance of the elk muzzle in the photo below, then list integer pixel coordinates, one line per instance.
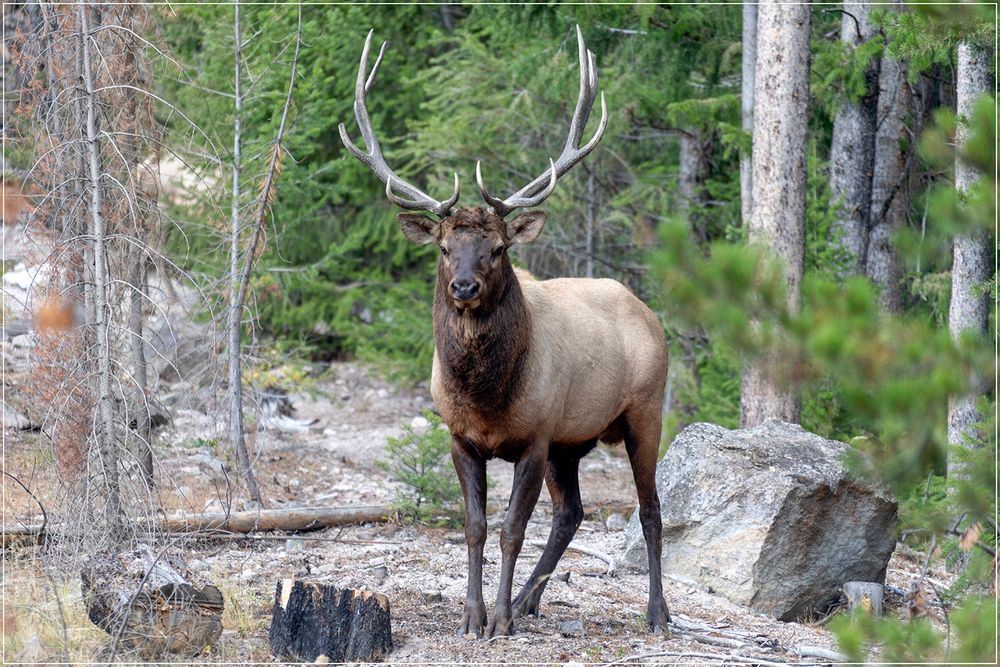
(465, 289)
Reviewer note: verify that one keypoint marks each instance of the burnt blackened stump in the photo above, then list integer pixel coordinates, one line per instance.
(311, 621)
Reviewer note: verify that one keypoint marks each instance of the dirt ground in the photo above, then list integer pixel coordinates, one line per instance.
(421, 570)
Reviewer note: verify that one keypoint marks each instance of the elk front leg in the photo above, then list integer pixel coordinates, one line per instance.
(471, 469)
(529, 472)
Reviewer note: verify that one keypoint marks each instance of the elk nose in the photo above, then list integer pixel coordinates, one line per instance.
(464, 289)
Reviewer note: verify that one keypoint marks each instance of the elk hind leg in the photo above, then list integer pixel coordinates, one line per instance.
(563, 481)
(642, 442)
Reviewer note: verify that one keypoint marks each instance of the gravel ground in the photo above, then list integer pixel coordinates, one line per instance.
(422, 570)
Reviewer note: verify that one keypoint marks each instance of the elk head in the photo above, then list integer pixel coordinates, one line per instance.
(474, 240)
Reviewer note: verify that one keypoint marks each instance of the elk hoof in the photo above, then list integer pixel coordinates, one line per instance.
(528, 607)
(473, 621)
(500, 627)
(659, 618)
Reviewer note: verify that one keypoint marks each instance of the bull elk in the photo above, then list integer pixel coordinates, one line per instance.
(533, 372)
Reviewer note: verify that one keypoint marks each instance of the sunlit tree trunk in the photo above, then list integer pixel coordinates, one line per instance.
(972, 256)
(852, 150)
(777, 220)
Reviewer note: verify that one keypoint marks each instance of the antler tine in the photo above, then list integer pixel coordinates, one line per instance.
(496, 204)
(541, 187)
(528, 202)
(372, 156)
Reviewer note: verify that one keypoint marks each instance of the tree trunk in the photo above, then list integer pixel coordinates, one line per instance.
(746, 107)
(105, 433)
(890, 200)
(143, 416)
(852, 151)
(693, 171)
(777, 220)
(237, 434)
(971, 265)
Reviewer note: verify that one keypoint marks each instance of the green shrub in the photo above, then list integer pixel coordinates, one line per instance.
(421, 462)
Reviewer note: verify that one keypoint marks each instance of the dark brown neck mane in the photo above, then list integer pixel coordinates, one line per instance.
(482, 351)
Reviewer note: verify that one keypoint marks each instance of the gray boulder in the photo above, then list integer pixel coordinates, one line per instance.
(767, 517)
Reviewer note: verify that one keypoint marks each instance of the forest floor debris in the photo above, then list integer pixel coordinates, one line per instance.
(420, 569)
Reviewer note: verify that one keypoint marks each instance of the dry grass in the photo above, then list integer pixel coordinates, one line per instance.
(34, 630)
(44, 615)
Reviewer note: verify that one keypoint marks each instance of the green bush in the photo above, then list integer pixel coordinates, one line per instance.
(421, 463)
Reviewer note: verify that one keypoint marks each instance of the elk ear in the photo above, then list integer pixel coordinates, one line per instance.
(418, 228)
(526, 227)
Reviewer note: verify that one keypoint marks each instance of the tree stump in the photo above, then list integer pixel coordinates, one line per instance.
(152, 605)
(313, 622)
(864, 594)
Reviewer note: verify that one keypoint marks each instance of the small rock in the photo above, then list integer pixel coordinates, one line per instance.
(295, 544)
(379, 574)
(419, 423)
(431, 597)
(24, 340)
(210, 462)
(616, 521)
(571, 628)
(251, 506)
(382, 393)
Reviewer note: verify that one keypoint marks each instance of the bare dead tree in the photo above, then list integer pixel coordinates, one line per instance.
(106, 438)
(90, 122)
(241, 262)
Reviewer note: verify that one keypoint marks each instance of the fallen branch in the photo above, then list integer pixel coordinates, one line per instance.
(821, 653)
(685, 624)
(724, 642)
(718, 658)
(290, 520)
(612, 563)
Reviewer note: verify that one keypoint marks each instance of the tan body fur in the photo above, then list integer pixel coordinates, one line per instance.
(594, 350)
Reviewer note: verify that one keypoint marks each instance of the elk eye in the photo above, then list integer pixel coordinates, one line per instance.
(444, 251)
(497, 251)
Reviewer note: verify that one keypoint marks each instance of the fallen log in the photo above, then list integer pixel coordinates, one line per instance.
(296, 519)
(313, 622)
(290, 520)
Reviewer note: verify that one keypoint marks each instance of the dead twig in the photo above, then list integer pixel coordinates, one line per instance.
(612, 563)
(717, 658)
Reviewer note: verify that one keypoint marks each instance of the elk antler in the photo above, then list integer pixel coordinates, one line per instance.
(535, 192)
(418, 199)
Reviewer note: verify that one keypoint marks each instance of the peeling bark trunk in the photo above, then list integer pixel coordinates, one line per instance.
(852, 151)
(890, 200)
(971, 265)
(777, 220)
(746, 106)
